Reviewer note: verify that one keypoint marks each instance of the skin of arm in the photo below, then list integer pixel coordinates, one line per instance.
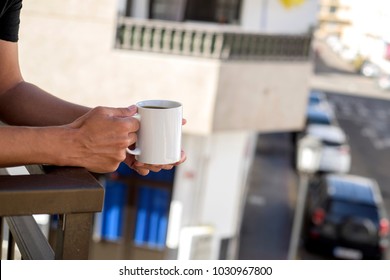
(44, 129)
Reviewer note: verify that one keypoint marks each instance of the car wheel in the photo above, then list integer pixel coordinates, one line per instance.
(359, 230)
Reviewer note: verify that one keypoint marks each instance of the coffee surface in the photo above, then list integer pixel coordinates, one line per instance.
(154, 107)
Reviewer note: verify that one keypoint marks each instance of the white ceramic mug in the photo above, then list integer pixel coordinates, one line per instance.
(159, 135)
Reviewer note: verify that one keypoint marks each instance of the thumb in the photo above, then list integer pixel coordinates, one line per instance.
(124, 112)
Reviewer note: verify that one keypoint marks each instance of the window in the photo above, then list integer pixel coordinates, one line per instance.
(318, 118)
(347, 209)
(128, 11)
(219, 11)
(227, 11)
(167, 9)
(332, 9)
(125, 7)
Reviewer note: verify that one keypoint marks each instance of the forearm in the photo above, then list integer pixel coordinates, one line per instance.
(27, 104)
(33, 145)
(96, 141)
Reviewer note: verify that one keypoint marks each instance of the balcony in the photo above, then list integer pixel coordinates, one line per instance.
(222, 43)
(71, 193)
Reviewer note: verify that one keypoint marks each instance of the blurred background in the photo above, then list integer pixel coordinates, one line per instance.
(288, 112)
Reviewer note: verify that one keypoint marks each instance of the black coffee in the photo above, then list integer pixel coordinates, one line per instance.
(154, 107)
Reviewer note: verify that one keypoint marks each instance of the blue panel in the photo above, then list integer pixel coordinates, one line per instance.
(158, 218)
(143, 215)
(113, 210)
(163, 221)
(125, 170)
(162, 176)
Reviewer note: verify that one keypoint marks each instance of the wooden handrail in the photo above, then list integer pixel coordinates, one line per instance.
(59, 190)
(73, 193)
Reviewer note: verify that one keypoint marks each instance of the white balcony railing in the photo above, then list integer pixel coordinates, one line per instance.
(201, 41)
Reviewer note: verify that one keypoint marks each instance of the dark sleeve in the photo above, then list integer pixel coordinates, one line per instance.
(9, 22)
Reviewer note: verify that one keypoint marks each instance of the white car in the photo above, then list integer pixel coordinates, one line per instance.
(335, 155)
(384, 82)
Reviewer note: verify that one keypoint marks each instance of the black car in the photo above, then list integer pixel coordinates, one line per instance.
(345, 218)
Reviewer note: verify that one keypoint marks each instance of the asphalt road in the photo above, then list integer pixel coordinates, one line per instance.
(269, 209)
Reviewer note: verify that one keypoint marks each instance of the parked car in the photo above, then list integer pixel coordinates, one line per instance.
(316, 98)
(369, 69)
(319, 110)
(365, 67)
(315, 115)
(345, 218)
(384, 81)
(335, 153)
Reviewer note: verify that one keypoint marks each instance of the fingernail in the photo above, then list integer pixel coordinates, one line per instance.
(132, 107)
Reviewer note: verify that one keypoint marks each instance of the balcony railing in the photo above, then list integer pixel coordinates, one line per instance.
(217, 43)
(71, 193)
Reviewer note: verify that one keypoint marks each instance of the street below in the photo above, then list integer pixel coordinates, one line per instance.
(273, 183)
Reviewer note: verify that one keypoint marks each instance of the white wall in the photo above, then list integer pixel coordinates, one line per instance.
(272, 17)
(251, 15)
(268, 96)
(211, 186)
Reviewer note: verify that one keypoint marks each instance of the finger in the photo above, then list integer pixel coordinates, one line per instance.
(132, 138)
(122, 112)
(129, 124)
(127, 112)
(131, 162)
(182, 159)
(142, 171)
(151, 167)
(183, 121)
(167, 166)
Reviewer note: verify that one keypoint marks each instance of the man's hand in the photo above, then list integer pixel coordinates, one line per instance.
(144, 169)
(100, 138)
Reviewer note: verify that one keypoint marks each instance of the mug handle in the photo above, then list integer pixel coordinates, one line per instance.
(136, 151)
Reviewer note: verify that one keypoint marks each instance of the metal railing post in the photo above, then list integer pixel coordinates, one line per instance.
(11, 247)
(73, 236)
(1, 237)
